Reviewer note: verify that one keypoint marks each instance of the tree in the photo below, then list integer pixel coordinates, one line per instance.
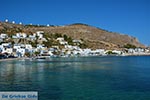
(68, 39)
(48, 43)
(37, 53)
(57, 35)
(33, 44)
(110, 52)
(83, 45)
(65, 37)
(128, 46)
(27, 54)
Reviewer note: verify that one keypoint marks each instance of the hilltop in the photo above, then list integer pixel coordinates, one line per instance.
(95, 38)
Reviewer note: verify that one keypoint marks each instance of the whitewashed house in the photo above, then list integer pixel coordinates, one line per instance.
(7, 45)
(1, 48)
(85, 52)
(8, 50)
(68, 47)
(62, 41)
(32, 37)
(41, 47)
(77, 42)
(44, 52)
(101, 51)
(17, 46)
(28, 48)
(139, 50)
(1, 40)
(76, 52)
(40, 34)
(131, 51)
(50, 53)
(3, 36)
(20, 52)
(18, 35)
(14, 37)
(21, 35)
(117, 52)
(97, 52)
(5, 48)
(147, 51)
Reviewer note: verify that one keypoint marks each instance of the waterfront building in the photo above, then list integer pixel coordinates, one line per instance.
(3, 36)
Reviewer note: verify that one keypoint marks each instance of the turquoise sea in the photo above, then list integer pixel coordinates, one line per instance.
(84, 78)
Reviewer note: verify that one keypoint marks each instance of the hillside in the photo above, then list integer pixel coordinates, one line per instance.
(93, 37)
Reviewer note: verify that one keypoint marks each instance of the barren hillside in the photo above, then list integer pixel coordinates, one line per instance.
(94, 37)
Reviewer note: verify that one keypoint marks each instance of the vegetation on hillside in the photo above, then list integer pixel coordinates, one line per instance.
(129, 46)
(111, 53)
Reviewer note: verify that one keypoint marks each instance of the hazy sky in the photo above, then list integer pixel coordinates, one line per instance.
(123, 16)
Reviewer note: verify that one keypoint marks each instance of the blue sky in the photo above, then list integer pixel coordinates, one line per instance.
(130, 17)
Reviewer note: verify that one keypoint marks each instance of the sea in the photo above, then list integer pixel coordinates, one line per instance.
(79, 78)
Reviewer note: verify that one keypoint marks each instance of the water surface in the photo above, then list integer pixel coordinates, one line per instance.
(85, 78)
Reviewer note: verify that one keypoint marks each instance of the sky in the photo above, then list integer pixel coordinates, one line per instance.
(131, 17)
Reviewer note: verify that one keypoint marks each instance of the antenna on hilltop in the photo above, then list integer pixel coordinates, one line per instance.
(20, 23)
(47, 25)
(6, 20)
(13, 22)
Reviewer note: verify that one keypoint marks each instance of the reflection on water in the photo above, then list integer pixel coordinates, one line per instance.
(106, 78)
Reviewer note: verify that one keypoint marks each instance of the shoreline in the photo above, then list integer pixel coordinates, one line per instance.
(25, 58)
(142, 54)
(10, 59)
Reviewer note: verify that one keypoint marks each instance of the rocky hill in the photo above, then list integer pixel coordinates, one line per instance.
(94, 37)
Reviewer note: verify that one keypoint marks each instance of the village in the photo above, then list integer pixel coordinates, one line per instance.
(40, 45)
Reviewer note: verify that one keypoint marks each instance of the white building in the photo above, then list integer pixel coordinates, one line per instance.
(20, 52)
(131, 51)
(17, 46)
(32, 37)
(41, 47)
(40, 34)
(139, 50)
(117, 52)
(28, 46)
(8, 50)
(62, 41)
(6, 44)
(14, 37)
(1, 48)
(77, 42)
(3, 36)
(21, 35)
